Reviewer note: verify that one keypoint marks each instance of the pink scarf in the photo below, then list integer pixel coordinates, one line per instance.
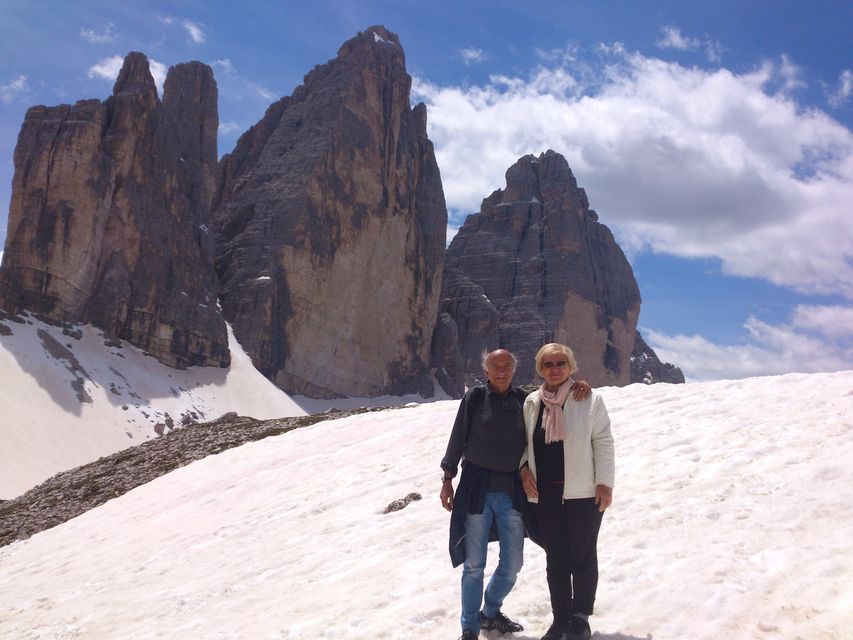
(552, 417)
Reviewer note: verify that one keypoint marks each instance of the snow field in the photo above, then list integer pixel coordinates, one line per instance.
(732, 518)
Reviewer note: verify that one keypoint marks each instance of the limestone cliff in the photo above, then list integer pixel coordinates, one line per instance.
(536, 266)
(330, 225)
(109, 217)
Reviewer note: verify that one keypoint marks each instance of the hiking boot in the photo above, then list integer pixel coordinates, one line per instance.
(467, 634)
(557, 631)
(499, 623)
(578, 629)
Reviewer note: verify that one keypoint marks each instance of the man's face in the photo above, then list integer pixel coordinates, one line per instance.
(499, 370)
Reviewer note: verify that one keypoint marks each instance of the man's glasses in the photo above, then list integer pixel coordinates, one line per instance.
(551, 365)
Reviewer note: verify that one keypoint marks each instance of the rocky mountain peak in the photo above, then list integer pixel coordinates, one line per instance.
(191, 86)
(330, 224)
(372, 40)
(190, 98)
(108, 223)
(135, 76)
(522, 182)
(647, 368)
(546, 177)
(534, 266)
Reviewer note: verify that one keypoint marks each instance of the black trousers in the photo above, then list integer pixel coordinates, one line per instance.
(569, 533)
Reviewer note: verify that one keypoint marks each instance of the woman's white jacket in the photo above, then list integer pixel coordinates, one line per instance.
(588, 445)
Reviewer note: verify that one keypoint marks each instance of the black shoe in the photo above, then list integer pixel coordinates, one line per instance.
(467, 634)
(557, 631)
(578, 629)
(499, 623)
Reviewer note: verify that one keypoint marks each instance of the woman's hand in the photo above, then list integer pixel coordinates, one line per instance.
(528, 482)
(603, 497)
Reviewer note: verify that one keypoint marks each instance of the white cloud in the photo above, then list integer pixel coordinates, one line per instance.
(672, 38)
(790, 74)
(844, 90)
(159, 71)
(685, 161)
(814, 340)
(109, 68)
(471, 55)
(226, 65)
(713, 51)
(261, 91)
(13, 89)
(833, 321)
(167, 20)
(195, 31)
(564, 55)
(239, 85)
(107, 34)
(229, 127)
(452, 230)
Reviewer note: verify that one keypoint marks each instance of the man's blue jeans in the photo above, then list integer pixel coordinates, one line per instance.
(498, 508)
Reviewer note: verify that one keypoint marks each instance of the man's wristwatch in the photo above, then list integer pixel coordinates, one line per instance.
(445, 478)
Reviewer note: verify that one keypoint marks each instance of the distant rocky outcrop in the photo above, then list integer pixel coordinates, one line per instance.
(446, 358)
(647, 368)
(536, 266)
(110, 210)
(330, 226)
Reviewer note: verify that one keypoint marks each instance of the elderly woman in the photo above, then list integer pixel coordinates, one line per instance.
(567, 470)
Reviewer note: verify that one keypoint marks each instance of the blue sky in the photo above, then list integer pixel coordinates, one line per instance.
(714, 139)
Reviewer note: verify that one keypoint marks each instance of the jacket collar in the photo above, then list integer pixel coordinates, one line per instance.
(492, 391)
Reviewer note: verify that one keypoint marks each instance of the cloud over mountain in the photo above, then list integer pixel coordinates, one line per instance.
(763, 184)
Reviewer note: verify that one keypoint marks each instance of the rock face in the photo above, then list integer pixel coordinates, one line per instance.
(647, 368)
(330, 227)
(445, 356)
(536, 266)
(110, 210)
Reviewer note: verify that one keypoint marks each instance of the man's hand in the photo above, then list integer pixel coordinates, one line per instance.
(447, 495)
(581, 390)
(603, 497)
(528, 482)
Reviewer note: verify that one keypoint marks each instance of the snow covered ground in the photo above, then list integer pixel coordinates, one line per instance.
(70, 399)
(733, 518)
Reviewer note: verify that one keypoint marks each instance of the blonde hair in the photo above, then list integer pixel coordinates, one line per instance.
(555, 347)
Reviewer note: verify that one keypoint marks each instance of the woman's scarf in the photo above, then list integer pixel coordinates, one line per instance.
(552, 417)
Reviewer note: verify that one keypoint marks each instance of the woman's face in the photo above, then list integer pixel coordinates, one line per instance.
(555, 369)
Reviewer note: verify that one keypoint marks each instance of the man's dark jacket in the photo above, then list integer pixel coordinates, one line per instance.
(474, 483)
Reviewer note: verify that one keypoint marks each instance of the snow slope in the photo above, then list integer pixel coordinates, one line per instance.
(733, 518)
(70, 398)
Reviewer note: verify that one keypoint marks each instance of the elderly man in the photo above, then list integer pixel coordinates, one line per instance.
(489, 432)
